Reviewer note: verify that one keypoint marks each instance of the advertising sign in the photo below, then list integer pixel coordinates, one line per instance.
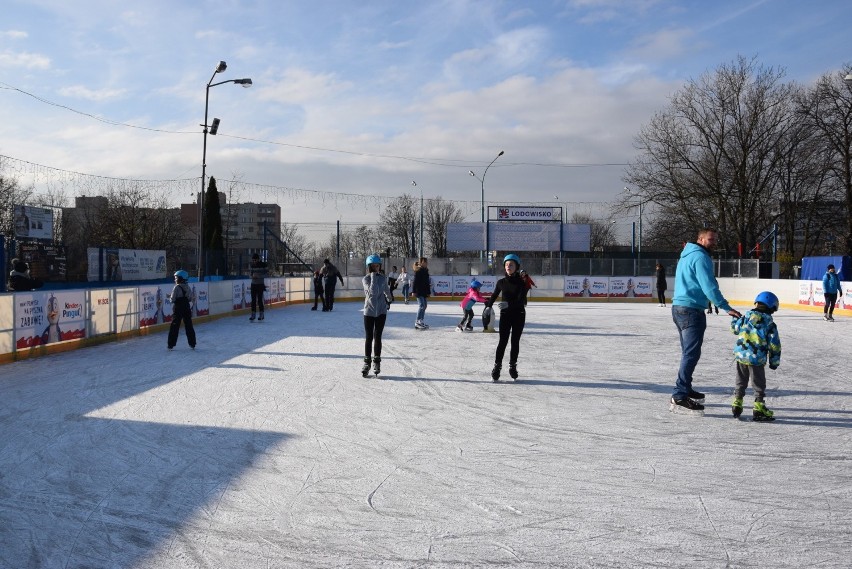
(33, 222)
(524, 213)
(49, 317)
(442, 285)
(241, 294)
(155, 307)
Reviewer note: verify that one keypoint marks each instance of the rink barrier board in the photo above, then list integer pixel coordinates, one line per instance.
(794, 295)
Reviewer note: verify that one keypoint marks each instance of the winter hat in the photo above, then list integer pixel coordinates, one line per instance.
(20, 266)
(830, 267)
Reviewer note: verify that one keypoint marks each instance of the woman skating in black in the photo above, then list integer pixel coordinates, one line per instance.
(512, 315)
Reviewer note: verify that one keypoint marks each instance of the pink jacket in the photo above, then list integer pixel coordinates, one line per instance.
(472, 297)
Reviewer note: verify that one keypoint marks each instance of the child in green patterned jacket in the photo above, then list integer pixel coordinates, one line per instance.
(757, 343)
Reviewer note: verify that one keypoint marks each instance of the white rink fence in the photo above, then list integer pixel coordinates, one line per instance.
(44, 321)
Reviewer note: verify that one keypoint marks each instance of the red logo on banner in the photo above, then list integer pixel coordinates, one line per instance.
(503, 213)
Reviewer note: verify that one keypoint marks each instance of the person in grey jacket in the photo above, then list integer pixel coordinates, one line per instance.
(258, 272)
(377, 300)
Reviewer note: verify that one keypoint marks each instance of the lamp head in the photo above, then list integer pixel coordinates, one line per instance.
(848, 79)
(501, 154)
(471, 172)
(246, 83)
(413, 183)
(221, 67)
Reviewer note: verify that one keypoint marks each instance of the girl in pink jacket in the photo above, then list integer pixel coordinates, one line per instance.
(471, 298)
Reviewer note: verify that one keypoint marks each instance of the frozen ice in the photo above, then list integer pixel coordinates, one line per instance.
(266, 448)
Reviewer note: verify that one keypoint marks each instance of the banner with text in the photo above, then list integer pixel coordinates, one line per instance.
(49, 317)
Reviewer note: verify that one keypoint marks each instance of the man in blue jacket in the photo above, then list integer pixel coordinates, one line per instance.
(831, 287)
(695, 285)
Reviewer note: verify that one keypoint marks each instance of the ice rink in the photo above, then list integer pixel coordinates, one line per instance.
(265, 448)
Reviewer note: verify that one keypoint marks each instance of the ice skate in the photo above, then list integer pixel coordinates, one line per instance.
(468, 328)
(459, 328)
(377, 366)
(696, 396)
(260, 317)
(737, 407)
(420, 325)
(252, 317)
(686, 406)
(761, 413)
(365, 371)
(513, 370)
(495, 373)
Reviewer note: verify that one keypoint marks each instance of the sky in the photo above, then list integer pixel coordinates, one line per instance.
(265, 447)
(351, 102)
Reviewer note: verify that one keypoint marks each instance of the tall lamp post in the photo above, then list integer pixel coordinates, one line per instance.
(413, 183)
(212, 129)
(482, 195)
(641, 206)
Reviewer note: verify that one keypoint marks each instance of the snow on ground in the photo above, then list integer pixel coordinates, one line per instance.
(266, 448)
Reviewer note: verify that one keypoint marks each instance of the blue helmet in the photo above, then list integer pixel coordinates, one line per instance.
(769, 299)
(374, 259)
(512, 257)
(475, 284)
(181, 274)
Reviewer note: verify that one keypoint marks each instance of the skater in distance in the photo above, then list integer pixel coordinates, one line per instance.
(377, 301)
(831, 288)
(512, 315)
(422, 289)
(257, 270)
(757, 343)
(695, 286)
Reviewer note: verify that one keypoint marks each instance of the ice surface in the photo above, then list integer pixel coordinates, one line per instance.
(266, 448)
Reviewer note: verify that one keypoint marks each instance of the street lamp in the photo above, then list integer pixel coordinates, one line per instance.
(413, 183)
(641, 206)
(213, 128)
(482, 194)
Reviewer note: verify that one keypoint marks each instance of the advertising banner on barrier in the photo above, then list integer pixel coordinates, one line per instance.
(577, 287)
(155, 307)
(49, 317)
(811, 294)
(241, 294)
(200, 298)
(461, 284)
(630, 287)
(488, 283)
(442, 285)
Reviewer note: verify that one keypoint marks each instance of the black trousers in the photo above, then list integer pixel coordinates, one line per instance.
(467, 319)
(257, 297)
(830, 300)
(328, 300)
(182, 314)
(373, 328)
(318, 297)
(661, 296)
(511, 326)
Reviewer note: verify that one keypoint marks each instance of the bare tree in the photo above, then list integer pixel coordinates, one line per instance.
(439, 213)
(828, 107)
(602, 231)
(711, 158)
(395, 224)
(11, 194)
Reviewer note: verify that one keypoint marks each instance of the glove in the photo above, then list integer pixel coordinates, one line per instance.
(503, 305)
(773, 366)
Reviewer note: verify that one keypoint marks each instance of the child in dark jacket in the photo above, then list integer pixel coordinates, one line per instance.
(181, 298)
(757, 344)
(318, 290)
(472, 297)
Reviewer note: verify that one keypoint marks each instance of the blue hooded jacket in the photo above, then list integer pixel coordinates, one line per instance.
(695, 283)
(830, 283)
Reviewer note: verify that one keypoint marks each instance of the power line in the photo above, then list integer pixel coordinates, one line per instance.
(446, 162)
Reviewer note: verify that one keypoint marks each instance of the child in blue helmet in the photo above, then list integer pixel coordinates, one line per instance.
(181, 298)
(377, 301)
(757, 344)
(471, 298)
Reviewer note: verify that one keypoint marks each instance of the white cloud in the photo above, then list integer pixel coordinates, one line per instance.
(664, 44)
(81, 92)
(300, 86)
(24, 59)
(14, 34)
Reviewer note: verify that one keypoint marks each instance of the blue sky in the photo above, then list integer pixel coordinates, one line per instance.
(364, 97)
